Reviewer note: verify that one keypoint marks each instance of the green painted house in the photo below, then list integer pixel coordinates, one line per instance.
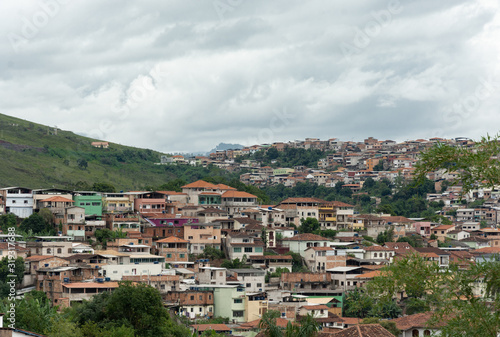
(90, 201)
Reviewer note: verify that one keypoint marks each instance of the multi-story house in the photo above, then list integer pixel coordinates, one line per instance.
(271, 263)
(319, 259)
(300, 242)
(18, 201)
(300, 208)
(41, 194)
(191, 303)
(212, 275)
(150, 203)
(60, 246)
(305, 282)
(195, 190)
(91, 201)
(335, 215)
(441, 231)
(229, 300)
(162, 226)
(174, 249)
(118, 202)
(235, 201)
(254, 280)
(239, 244)
(202, 235)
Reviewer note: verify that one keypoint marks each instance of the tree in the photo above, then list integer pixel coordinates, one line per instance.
(357, 304)
(47, 215)
(7, 221)
(33, 313)
(475, 166)
(449, 293)
(385, 236)
(36, 223)
(103, 187)
(308, 326)
(130, 306)
(308, 225)
(82, 163)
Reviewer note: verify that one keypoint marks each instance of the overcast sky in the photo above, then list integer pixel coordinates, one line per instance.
(185, 75)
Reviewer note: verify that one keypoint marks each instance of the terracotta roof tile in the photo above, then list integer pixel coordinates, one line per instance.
(172, 239)
(307, 237)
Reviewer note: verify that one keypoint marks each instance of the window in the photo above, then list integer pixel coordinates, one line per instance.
(248, 285)
(238, 300)
(200, 309)
(169, 256)
(259, 285)
(201, 298)
(414, 333)
(427, 333)
(25, 201)
(190, 238)
(238, 313)
(96, 204)
(59, 250)
(13, 201)
(237, 249)
(192, 297)
(182, 256)
(248, 249)
(258, 249)
(48, 251)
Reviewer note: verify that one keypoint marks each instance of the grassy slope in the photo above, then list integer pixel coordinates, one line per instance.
(52, 159)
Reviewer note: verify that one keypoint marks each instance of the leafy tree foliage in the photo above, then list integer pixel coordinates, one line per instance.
(7, 221)
(33, 313)
(476, 166)
(357, 304)
(103, 187)
(137, 307)
(308, 326)
(36, 223)
(385, 236)
(212, 253)
(308, 225)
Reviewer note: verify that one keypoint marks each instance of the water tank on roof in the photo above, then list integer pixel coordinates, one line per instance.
(270, 208)
(66, 280)
(100, 280)
(107, 279)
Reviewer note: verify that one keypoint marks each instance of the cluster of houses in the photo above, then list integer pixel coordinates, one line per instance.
(163, 233)
(349, 163)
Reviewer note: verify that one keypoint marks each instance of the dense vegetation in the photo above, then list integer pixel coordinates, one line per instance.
(130, 310)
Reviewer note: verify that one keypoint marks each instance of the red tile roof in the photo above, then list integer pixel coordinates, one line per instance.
(172, 239)
(414, 321)
(200, 184)
(238, 194)
(306, 237)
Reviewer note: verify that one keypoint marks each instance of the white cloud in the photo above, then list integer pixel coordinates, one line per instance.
(88, 69)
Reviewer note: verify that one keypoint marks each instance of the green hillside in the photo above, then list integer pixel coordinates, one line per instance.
(38, 156)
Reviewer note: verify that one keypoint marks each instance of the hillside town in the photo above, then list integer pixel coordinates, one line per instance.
(214, 252)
